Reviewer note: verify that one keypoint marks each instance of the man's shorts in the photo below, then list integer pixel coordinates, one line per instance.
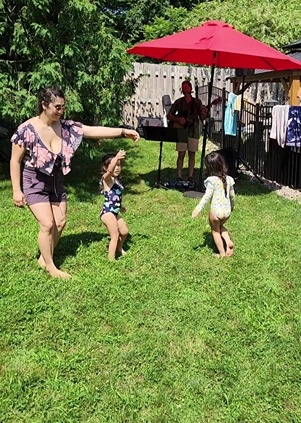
(41, 188)
(191, 145)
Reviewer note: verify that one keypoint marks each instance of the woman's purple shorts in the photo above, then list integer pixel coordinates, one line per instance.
(41, 188)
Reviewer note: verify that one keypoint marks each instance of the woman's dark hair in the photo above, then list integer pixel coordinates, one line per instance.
(46, 96)
(216, 166)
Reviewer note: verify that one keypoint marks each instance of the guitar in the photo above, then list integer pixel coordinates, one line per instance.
(190, 120)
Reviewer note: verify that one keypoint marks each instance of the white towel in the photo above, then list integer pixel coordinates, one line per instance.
(279, 124)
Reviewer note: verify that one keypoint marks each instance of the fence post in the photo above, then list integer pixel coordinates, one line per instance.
(223, 116)
(258, 132)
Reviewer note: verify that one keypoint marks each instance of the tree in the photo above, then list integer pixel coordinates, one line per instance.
(80, 45)
(272, 22)
(65, 43)
(129, 17)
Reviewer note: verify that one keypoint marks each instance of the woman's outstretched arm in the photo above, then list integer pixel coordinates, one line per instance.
(106, 132)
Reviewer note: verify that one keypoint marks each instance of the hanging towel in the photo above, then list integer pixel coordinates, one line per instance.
(279, 124)
(237, 103)
(230, 123)
(293, 136)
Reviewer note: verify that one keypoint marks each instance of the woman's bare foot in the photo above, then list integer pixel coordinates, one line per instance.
(217, 255)
(52, 270)
(56, 273)
(230, 249)
(41, 262)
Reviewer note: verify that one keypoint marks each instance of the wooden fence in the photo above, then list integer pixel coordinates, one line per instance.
(156, 80)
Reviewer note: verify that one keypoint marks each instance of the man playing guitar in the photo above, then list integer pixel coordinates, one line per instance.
(187, 112)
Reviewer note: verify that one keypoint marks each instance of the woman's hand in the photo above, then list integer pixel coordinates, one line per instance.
(19, 198)
(131, 133)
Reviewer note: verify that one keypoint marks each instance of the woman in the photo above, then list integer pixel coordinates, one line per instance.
(42, 148)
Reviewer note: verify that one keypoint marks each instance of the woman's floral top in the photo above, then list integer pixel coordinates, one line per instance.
(38, 156)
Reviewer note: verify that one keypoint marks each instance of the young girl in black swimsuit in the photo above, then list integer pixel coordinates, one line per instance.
(112, 190)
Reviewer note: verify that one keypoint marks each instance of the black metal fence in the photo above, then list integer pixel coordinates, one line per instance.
(252, 142)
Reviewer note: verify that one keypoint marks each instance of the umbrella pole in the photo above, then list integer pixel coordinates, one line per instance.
(206, 129)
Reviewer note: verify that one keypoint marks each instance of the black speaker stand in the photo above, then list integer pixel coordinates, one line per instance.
(163, 134)
(158, 183)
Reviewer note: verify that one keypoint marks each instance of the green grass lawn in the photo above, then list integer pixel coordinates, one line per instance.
(168, 333)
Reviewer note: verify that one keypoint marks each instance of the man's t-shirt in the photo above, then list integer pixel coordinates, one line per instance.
(190, 111)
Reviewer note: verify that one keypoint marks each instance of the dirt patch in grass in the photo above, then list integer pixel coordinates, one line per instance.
(283, 191)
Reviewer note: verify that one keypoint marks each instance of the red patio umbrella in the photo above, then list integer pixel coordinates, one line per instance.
(215, 44)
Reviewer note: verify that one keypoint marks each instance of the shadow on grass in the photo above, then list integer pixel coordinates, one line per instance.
(131, 239)
(83, 180)
(207, 242)
(167, 174)
(246, 185)
(69, 244)
(243, 184)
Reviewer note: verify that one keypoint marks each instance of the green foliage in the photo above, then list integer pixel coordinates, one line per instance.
(80, 45)
(275, 23)
(173, 20)
(128, 17)
(271, 22)
(65, 43)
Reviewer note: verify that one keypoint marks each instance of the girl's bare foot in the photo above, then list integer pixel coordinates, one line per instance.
(217, 255)
(230, 249)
